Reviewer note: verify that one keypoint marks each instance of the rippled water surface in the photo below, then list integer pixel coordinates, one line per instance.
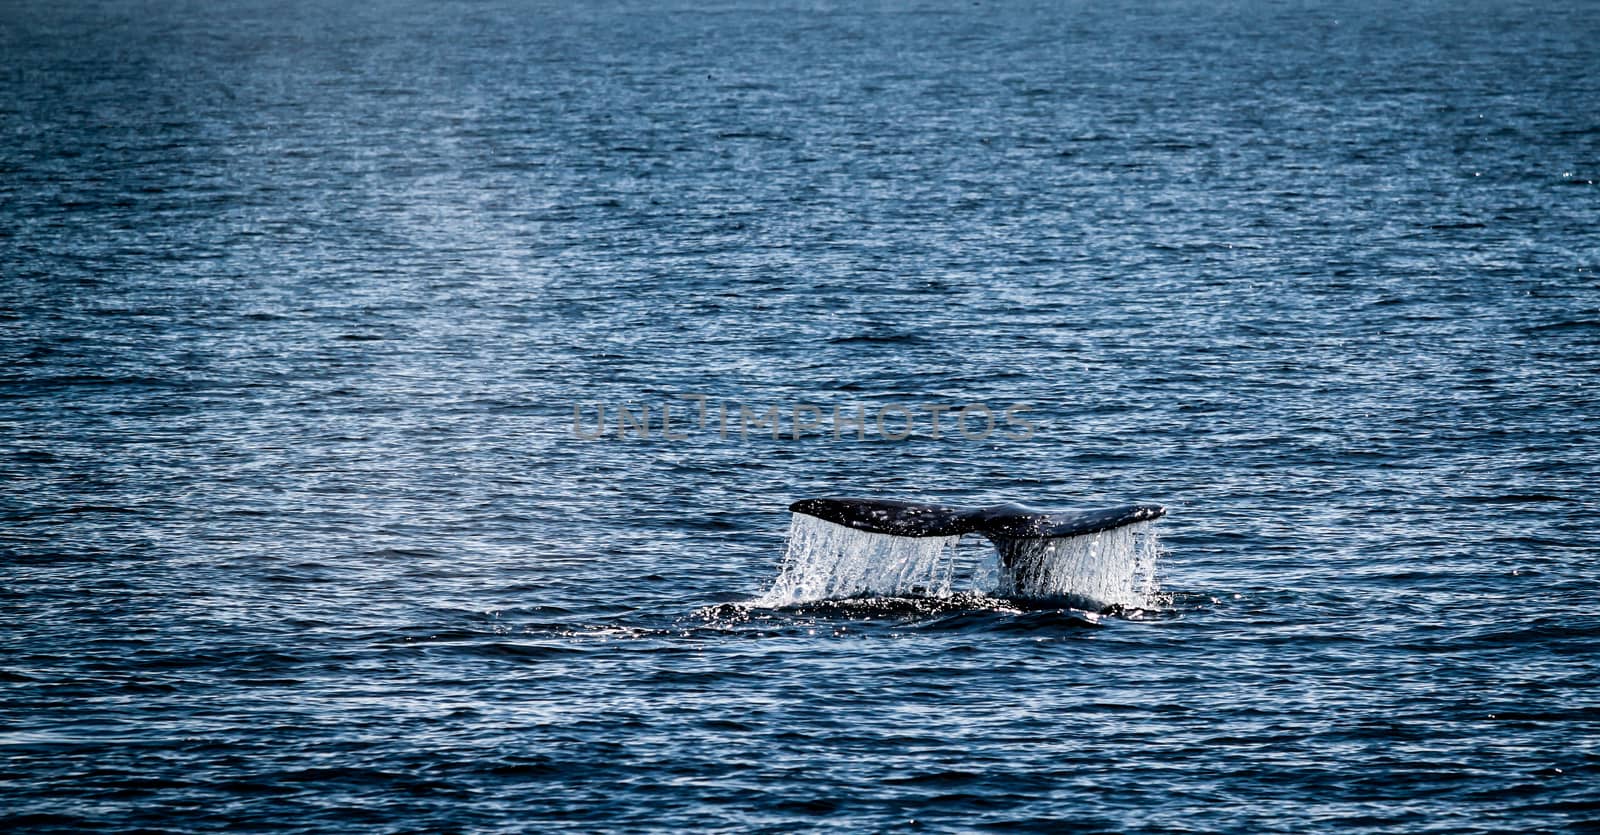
(298, 304)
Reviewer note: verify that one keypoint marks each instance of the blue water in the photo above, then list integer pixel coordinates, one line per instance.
(297, 303)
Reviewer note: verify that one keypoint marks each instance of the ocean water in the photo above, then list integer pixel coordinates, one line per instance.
(308, 315)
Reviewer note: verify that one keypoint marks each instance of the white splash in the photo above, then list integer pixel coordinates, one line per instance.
(825, 561)
(1110, 568)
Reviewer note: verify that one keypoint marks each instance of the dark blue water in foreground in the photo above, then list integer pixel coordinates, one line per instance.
(296, 305)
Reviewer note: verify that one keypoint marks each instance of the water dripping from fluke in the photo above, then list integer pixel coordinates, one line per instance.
(1101, 560)
(825, 561)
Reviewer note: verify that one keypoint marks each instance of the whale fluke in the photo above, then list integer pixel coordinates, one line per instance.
(850, 547)
(997, 522)
(888, 516)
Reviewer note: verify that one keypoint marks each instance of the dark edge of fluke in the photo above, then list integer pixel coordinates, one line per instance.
(1001, 521)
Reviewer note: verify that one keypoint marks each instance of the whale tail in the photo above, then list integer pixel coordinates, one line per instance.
(997, 522)
(1101, 556)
